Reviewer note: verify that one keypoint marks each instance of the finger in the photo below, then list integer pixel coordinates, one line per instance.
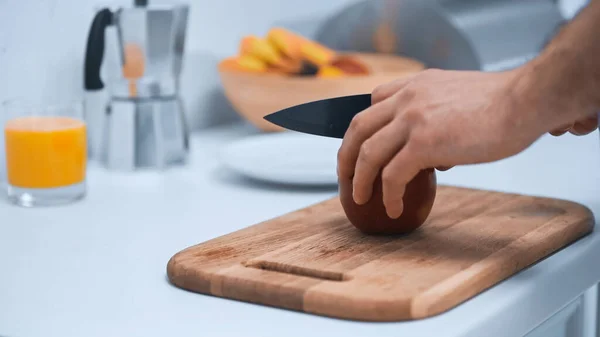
(585, 126)
(558, 133)
(443, 168)
(561, 131)
(374, 153)
(395, 176)
(387, 90)
(363, 126)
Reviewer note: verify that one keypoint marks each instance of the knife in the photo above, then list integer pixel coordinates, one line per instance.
(328, 117)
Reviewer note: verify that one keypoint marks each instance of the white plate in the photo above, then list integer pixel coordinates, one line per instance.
(284, 157)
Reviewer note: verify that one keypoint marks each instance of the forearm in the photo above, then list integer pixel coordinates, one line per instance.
(562, 85)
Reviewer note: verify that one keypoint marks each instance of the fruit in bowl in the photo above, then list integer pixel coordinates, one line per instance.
(284, 69)
(286, 53)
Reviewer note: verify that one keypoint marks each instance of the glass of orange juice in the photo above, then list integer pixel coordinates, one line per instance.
(45, 153)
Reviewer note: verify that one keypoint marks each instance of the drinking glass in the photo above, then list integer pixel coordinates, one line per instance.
(45, 153)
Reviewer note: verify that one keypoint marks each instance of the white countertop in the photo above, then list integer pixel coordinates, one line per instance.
(98, 267)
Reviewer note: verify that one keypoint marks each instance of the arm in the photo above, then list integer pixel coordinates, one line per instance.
(563, 82)
(439, 118)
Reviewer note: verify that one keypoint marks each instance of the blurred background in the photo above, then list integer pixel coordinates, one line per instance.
(42, 45)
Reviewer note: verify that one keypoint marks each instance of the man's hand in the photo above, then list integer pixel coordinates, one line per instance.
(439, 119)
(434, 119)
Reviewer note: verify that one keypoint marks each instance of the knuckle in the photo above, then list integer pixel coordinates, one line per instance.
(413, 117)
(357, 124)
(342, 156)
(378, 93)
(367, 153)
(409, 92)
(388, 178)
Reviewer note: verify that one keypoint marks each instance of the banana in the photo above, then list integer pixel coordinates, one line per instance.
(286, 42)
(245, 63)
(259, 48)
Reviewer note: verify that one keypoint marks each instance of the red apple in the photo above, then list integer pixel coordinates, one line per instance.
(371, 218)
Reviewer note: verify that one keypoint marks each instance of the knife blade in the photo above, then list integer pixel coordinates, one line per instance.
(328, 117)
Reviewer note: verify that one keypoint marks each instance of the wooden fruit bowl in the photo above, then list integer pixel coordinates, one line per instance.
(255, 95)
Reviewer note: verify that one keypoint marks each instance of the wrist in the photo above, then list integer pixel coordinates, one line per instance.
(554, 90)
(524, 101)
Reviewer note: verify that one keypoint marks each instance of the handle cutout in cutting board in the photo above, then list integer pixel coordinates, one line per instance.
(324, 275)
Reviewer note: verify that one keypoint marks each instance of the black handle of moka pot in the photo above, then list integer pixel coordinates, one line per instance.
(94, 52)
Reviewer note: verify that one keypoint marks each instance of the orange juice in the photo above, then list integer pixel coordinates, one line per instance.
(45, 152)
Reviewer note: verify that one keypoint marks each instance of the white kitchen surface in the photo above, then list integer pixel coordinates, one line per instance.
(98, 267)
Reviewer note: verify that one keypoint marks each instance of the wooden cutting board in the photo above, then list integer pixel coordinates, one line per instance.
(314, 260)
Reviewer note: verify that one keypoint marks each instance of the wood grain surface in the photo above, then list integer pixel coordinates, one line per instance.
(314, 260)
